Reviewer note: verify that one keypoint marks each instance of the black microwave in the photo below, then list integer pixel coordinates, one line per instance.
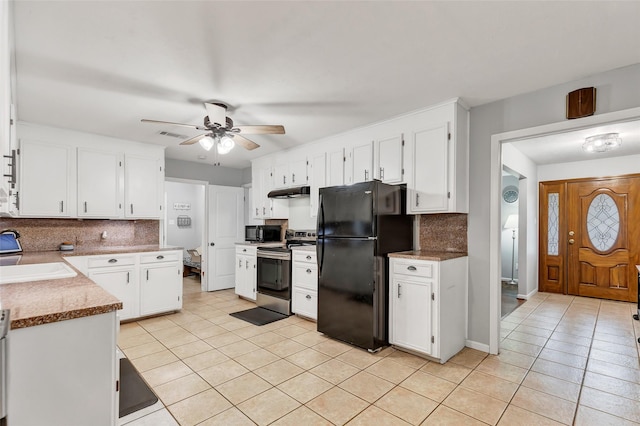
(262, 233)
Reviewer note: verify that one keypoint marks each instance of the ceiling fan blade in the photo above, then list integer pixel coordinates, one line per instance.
(193, 140)
(216, 113)
(145, 120)
(244, 142)
(261, 129)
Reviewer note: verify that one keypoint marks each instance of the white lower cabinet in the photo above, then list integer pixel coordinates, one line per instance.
(146, 283)
(427, 305)
(246, 272)
(304, 283)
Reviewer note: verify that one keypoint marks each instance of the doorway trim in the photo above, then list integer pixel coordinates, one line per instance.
(497, 141)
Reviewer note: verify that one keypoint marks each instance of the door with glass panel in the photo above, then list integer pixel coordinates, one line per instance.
(590, 237)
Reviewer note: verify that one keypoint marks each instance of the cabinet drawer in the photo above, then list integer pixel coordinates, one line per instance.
(170, 256)
(304, 256)
(305, 302)
(417, 268)
(115, 260)
(246, 250)
(305, 275)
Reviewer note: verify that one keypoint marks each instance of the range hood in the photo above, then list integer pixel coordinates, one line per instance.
(299, 191)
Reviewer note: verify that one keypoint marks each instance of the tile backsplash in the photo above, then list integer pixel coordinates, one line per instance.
(444, 232)
(48, 234)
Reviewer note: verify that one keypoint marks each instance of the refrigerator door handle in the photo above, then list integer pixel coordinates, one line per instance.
(320, 225)
(320, 255)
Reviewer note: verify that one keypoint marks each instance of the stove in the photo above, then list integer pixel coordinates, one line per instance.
(274, 271)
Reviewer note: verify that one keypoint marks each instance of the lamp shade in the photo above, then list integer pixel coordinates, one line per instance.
(206, 142)
(225, 144)
(512, 222)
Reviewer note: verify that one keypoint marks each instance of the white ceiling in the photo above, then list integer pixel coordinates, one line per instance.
(318, 68)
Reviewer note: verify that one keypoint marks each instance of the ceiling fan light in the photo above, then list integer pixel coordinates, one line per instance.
(225, 145)
(206, 142)
(602, 143)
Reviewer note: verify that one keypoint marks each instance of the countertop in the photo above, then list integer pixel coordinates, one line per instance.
(42, 302)
(255, 244)
(427, 255)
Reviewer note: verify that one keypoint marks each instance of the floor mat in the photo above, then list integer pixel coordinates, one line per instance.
(258, 316)
(134, 392)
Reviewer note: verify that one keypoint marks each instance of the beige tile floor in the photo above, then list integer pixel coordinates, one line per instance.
(564, 360)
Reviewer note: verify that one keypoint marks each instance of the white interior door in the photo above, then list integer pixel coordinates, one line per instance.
(225, 215)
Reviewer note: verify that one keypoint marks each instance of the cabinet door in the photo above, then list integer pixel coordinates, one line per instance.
(141, 187)
(46, 176)
(411, 314)
(318, 174)
(389, 164)
(240, 276)
(256, 193)
(336, 167)
(159, 289)
(120, 283)
(298, 172)
(267, 186)
(361, 163)
(281, 177)
(99, 176)
(430, 189)
(251, 278)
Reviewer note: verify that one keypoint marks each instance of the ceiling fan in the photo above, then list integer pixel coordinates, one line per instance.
(226, 135)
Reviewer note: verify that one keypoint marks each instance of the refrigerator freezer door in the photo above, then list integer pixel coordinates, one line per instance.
(347, 211)
(352, 292)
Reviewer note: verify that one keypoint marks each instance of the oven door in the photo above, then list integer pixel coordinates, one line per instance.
(274, 274)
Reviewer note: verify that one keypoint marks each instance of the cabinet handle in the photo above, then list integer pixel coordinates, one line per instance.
(308, 257)
(308, 296)
(160, 257)
(308, 271)
(293, 178)
(417, 200)
(366, 174)
(263, 211)
(244, 250)
(381, 173)
(411, 268)
(399, 288)
(284, 180)
(112, 260)
(246, 264)
(256, 211)
(127, 277)
(85, 206)
(131, 208)
(239, 263)
(61, 206)
(147, 275)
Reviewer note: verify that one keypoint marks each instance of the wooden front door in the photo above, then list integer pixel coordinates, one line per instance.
(596, 226)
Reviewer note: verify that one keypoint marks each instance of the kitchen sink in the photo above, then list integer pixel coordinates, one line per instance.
(35, 272)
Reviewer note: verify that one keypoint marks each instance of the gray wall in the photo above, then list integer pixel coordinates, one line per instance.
(215, 175)
(616, 90)
(246, 175)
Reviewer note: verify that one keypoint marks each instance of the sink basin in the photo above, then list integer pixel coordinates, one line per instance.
(35, 272)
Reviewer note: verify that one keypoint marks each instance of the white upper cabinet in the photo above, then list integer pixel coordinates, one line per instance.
(46, 182)
(100, 175)
(335, 167)
(388, 153)
(281, 177)
(437, 162)
(262, 175)
(361, 163)
(317, 180)
(141, 193)
(298, 172)
(290, 171)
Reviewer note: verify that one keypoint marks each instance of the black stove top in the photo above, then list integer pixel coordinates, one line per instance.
(293, 239)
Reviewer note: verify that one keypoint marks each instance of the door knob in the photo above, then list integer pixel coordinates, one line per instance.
(212, 244)
(571, 241)
(571, 233)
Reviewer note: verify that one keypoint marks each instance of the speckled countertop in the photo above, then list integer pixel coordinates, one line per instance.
(41, 302)
(427, 255)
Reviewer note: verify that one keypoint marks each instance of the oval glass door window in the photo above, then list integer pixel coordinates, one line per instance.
(603, 222)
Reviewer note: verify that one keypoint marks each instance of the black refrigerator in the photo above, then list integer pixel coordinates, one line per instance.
(358, 225)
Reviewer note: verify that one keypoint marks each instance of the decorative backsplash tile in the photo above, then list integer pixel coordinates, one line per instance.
(444, 232)
(48, 234)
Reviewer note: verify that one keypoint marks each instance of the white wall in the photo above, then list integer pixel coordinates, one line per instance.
(299, 217)
(215, 175)
(520, 164)
(506, 238)
(591, 168)
(193, 194)
(617, 90)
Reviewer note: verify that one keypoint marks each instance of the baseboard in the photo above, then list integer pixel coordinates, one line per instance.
(527, 296)
(477, 346)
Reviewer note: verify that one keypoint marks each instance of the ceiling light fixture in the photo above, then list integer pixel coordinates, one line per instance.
(602, 143)
(225, 144)
(207, 142)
